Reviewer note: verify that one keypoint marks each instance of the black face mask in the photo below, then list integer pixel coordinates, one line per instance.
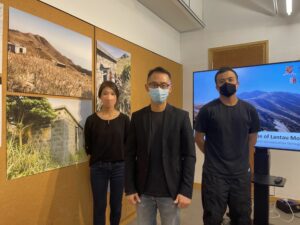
(227, 89)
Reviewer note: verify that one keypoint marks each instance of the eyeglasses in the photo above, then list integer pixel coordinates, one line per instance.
(161, 85)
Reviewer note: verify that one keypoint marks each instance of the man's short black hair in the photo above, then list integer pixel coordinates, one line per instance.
(224, 70)
(159, 69)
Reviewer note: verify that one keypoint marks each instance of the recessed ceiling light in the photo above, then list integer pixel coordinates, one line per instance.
(289, 7)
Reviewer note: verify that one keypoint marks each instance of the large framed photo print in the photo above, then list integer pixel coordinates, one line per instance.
(46, 58)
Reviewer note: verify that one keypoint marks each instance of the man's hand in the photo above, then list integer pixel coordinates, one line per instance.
(134, 198)
(200, 141)
(182, 201)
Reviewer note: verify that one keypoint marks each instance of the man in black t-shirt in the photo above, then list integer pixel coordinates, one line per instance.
(160, 156)
(226, 132)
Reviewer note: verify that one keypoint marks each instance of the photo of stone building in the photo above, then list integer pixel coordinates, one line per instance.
(114, 64)
(44, 134)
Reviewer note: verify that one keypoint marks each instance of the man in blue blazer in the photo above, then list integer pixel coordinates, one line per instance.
(160, 156)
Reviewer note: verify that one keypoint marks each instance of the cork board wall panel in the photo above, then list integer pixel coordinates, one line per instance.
(63, 196)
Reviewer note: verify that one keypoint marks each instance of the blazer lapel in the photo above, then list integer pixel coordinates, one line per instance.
(146, 125)
(166, 123)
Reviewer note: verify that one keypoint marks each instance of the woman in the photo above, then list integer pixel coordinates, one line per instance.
(105, 135)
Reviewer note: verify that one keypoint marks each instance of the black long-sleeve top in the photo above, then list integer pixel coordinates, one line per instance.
(105, 139)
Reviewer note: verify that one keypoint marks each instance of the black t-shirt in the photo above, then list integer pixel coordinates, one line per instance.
(227, 130)
(105, 139)
(156, 184)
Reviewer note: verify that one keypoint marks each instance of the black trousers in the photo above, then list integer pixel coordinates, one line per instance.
(218, 192)
(102, 174)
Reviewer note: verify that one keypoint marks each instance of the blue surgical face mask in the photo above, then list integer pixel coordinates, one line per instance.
(158, 95)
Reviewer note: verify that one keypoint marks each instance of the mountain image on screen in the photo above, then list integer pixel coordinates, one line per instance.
(278, 111)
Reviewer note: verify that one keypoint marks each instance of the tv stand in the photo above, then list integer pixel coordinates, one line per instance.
(262, 180)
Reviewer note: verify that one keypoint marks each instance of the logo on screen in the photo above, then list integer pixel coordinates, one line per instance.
(289, 71)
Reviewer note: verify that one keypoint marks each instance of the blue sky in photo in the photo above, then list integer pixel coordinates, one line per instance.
(79, 108)
(71, 44)
(267, 78)
(115, 52)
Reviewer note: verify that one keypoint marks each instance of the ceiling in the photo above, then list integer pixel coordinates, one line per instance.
(267, 7)
(175, 13)
(172, 12)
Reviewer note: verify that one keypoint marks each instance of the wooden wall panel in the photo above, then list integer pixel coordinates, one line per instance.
(142, 61)
(63, 196)
(60, 196)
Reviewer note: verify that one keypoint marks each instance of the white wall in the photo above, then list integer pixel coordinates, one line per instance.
(127, 19)
(229, 24)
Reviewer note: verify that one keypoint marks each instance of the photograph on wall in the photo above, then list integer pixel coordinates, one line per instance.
(45, 58)
(1, 39)
(114, 64)
(44, 133)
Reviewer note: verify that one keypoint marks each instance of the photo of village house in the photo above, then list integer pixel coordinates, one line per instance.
(114, 64)
(44, 134)
(45, 58)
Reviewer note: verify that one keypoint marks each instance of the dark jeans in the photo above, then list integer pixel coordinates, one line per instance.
(103, 173)
(218, 192)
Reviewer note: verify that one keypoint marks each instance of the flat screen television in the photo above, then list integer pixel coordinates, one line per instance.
(273, 89)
